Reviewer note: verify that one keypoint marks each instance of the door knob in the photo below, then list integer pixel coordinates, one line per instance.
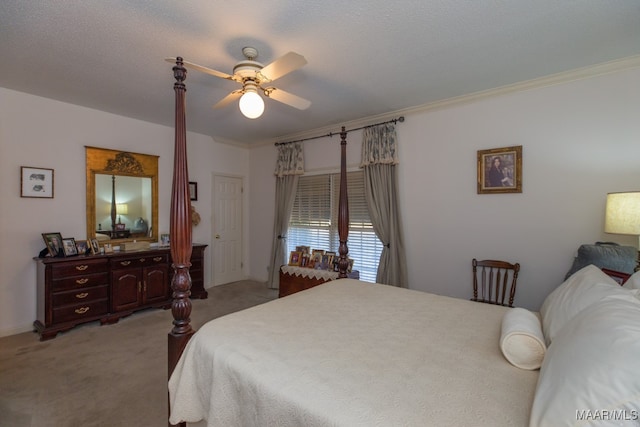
(217, 236)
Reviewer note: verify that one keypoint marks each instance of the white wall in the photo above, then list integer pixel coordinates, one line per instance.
(44, 133)
(580, 140)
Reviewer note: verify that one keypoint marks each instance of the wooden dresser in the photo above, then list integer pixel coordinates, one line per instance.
(82, 289)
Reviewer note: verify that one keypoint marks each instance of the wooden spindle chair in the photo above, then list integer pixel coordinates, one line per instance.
(491, 279)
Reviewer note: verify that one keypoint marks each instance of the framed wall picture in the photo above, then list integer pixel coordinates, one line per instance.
(54, 243)
(500, 170)
(193, 191)
(36, 182)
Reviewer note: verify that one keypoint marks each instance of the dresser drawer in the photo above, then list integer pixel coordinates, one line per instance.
(139, 261)
(196, 264)
(81, 282)
(83, 267)
(76, 313)
(80, 296)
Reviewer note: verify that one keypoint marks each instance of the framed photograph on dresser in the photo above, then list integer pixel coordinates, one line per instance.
(95, 246)
(70, 247)
(54, 243)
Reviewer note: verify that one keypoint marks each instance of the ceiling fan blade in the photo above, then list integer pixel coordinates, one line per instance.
(281, 66)
(228, 99)
(287, 98)
(204, 69)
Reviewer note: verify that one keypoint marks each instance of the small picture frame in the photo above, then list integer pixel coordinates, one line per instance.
(164, 240)
(69, 245)
(36, 182)
(120, 227)
(54, 244)
(316, 258)
(500, 170)
(95, 247)
(295, 258)
(83, 246)
(108, 248)
(327, 261)
(303, 249)
(193, 191)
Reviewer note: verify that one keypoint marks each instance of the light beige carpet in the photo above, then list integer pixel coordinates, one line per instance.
(113, 375)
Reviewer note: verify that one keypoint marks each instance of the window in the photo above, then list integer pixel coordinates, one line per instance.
(314, 220)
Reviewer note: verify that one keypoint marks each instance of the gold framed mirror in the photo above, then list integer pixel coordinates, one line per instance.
(122, 195)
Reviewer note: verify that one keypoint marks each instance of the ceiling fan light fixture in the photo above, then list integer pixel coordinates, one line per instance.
(251, 104)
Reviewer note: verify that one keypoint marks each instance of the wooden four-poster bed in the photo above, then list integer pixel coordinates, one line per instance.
(345, 353)
(309, 361)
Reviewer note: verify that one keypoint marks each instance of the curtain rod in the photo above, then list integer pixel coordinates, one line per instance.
(331, 134)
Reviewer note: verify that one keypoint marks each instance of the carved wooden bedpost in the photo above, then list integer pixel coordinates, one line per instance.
(180, 231)
(343, 209)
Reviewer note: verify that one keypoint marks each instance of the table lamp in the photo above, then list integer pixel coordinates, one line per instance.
(122, 209)
(622, 215)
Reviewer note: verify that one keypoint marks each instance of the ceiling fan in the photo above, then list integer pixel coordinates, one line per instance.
(255, 77)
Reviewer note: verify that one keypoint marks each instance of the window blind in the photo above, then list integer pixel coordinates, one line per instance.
(314, 220)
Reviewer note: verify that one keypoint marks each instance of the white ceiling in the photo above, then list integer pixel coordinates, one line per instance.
(366, 58)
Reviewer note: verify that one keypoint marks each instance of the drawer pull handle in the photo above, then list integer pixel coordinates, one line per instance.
(81, 310)
(158, 259)
(82, 281)
(142, 260)
(82, 295)
(81, 267)
(125, 262)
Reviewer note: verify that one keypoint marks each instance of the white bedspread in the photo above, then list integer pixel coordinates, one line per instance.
(350, 353)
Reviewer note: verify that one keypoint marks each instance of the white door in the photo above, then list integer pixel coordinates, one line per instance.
(227, 229)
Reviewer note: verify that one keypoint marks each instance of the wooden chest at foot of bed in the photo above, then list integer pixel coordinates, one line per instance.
(296, 279)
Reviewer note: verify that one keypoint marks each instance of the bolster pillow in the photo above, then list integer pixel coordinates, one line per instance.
(522, 341)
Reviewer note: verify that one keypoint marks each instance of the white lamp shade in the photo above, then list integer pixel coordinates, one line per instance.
(251, 105)
(623, 213)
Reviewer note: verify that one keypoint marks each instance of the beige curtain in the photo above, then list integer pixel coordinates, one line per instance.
(289, 166)
(379, 160)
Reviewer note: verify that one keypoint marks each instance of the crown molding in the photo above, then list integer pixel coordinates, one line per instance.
(553, 79)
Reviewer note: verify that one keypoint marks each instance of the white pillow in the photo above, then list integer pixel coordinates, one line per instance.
(521, 341)
(590, 373)
(579, 291)
(633, 282)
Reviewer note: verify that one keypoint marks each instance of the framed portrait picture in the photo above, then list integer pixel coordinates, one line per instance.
(500, 170)
(54, 243)
(193, 191)
(36, 182)
(69, 245)
(295, 258)
(95, 246)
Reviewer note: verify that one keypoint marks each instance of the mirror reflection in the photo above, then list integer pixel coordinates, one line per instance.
(132, 197)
